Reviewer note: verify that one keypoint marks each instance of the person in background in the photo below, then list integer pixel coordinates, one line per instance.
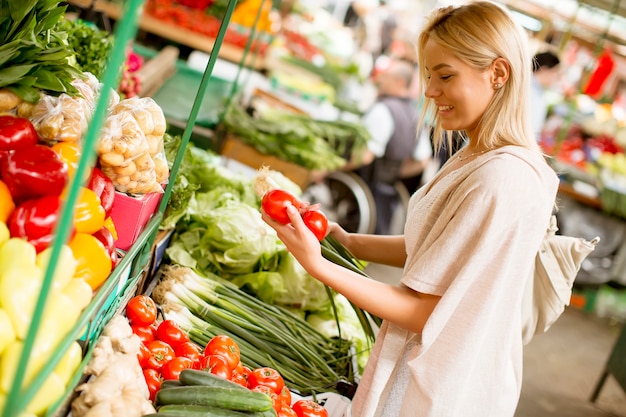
(451, 339)
(545, 73)
(394, 150)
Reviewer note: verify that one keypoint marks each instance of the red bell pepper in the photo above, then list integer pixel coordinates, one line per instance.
(34, 220)
(16, 133)
(104, 188)
(34, 172)
(105, 236)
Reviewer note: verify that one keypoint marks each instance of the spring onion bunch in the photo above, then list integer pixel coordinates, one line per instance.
(267, 335)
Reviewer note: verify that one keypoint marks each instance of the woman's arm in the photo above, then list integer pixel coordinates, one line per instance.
(397, 304)
(380, 249)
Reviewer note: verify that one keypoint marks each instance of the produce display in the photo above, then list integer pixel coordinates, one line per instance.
(313, 144)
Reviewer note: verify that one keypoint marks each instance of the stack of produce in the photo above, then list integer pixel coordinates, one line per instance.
(204, 17)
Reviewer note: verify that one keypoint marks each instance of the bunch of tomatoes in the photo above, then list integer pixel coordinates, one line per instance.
(276, 201)
(166, 351)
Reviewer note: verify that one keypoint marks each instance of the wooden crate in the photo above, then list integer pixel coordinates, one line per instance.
(234, 148)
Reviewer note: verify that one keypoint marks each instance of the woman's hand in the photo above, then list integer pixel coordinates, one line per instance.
(297, 238)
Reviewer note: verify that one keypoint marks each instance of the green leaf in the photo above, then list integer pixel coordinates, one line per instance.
(8, 54)
(46, 80)
(53, 54)
(27, 93)
(19, 9)
(49, 19)
(12, 75)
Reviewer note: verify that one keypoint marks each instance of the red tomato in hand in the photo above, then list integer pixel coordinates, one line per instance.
(317, 222)
(189, 350)
(160, 354)
(173, 368)
(309, 408)
(277, 402)
(224, 346)
(275, 203)
(145, 333)
(216, 365)
(170, 333)
(141, 310)
(153, 380)
(268, 377)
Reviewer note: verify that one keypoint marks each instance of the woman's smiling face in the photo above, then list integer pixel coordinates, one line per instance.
(461, 93)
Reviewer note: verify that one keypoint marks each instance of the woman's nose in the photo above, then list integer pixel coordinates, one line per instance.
(432, 91)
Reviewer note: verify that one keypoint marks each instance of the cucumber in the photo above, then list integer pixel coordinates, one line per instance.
(197, 377)
(170, 383)
(229, 398)
(191, 410)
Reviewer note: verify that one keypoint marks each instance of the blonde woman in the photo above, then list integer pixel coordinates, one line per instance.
(451, 341)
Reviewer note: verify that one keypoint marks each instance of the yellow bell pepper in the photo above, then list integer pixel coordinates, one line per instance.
(94, 263)
(50, 391)
(69, 363)
(9, 360)
(19, 291)
(89, 214)
(6, 202)
(4, 233)
(14, 253)
(65, 267)
(108, 223)
(79, 292)
(69, 152)
(7, 332)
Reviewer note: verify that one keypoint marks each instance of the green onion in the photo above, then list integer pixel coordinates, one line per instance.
(267, 335)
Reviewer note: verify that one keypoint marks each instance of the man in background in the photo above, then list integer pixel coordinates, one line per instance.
(545, 74)
(395, 149)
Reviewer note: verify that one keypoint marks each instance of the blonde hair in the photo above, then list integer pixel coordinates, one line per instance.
(477, 33)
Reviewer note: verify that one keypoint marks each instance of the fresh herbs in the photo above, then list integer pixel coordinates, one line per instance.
(33, 55)
(90, 45)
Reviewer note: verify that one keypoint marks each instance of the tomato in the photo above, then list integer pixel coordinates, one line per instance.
(160, 354)
(145, 333)
(170, 333)
(153, 380)
(189, 350)
(277, 402)
(309, 408)
(173, 368)
(216, 365)
(287, 412)
(224, 346)
(317, 222)
(268, 377)
(141, 310)
(143, 355)
(275, 203)
(238, 378)
(285, 395)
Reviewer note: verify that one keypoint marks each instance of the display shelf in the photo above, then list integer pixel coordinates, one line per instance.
(176, 34)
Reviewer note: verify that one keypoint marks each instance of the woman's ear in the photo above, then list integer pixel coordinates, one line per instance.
(500, 71)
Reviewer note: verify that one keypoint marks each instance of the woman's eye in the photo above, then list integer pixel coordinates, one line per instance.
(445, 77)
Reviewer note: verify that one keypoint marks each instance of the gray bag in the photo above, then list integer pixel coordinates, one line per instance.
(549, 289)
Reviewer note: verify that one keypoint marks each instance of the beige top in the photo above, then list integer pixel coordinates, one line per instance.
(471, 237)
